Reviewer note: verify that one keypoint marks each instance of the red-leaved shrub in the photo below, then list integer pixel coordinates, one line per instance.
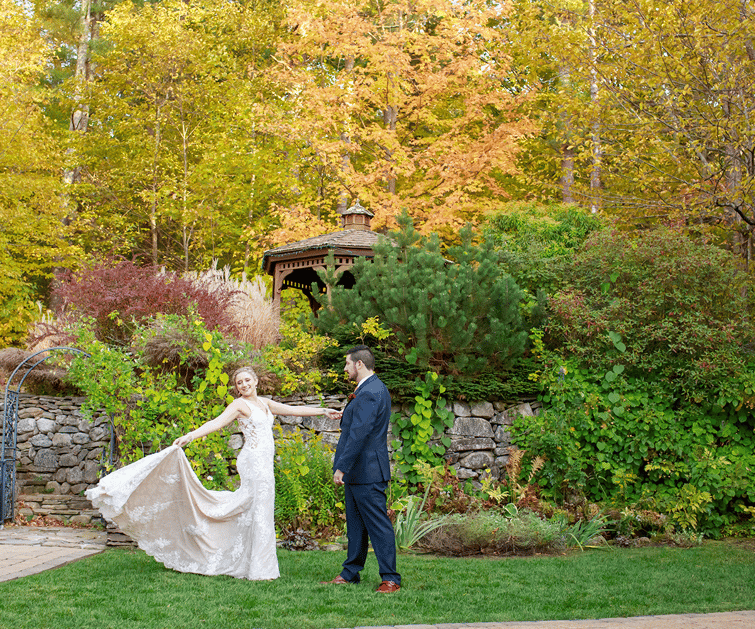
(118, 296)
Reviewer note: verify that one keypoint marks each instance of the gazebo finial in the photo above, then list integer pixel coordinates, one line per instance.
(356, 217)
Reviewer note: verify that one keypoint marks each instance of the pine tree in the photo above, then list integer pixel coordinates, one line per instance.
(453, 316)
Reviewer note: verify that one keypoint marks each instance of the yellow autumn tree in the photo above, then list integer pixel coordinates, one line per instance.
(184, 156)
(31, 232)
(410, 105)
(669, 86)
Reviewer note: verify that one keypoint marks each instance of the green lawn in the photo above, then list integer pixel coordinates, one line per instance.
(127, 589)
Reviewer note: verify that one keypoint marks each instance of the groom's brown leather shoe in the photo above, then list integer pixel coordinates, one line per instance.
(386, 587)
(339, 580)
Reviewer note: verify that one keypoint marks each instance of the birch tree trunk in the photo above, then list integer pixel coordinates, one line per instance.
(567, 149)
(390, 114)
(155, 187)
(79, 116)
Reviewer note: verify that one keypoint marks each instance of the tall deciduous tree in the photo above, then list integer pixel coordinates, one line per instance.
(675, 97)
(30, 216)
(409, 104)
(179, 142)
(556, 50)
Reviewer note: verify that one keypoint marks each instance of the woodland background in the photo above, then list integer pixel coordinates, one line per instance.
(177, 133)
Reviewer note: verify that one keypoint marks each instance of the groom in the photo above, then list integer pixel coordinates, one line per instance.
(362, 466)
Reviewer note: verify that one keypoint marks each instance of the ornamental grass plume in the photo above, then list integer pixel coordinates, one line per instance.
(256, 320)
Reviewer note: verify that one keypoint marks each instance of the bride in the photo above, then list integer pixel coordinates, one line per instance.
(160, 503)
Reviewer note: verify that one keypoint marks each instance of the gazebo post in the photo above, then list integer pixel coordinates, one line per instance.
(279, 276)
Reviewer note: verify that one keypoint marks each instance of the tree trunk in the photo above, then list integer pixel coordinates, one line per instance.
(155, 185)
(80, 114)
(595, 171)
(250, 218)
(567, 149)
(390, 115)
(343, 199)
(79, 120)
(186, 229)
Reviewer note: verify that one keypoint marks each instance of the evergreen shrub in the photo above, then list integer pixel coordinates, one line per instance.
(401, 377)
(458, 316)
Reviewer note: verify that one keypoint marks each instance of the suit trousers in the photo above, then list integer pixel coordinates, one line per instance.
(366, 517)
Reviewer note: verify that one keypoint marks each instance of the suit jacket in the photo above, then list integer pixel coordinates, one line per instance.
(362, 450)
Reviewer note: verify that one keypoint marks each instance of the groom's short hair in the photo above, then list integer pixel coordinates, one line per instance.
(363, 353)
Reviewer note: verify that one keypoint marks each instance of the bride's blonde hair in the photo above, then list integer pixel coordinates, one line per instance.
(248, 370)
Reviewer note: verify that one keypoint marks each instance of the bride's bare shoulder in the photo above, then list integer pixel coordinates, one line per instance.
(241, 406)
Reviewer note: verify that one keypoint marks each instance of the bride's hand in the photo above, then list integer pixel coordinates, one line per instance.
(183, 440)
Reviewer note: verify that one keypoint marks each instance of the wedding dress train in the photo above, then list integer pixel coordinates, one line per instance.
(160, 503)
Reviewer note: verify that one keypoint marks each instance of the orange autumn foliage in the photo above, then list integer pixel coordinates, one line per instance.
(408, 103)
(295, 223)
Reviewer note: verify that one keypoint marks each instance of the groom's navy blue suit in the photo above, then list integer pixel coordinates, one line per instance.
(362, 456)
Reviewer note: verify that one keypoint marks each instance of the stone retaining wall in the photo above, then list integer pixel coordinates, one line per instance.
(61, 454)
(480, 437)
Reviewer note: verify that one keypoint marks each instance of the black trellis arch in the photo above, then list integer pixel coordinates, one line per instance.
(10, 425)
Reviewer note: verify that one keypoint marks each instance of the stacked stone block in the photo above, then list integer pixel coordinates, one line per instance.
(480, 436)
(60, 453)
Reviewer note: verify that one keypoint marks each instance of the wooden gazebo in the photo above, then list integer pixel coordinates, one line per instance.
(295, 265)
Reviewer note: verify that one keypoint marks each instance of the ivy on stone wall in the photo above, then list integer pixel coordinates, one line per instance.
(420, 436)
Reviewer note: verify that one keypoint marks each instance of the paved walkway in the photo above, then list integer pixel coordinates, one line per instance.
(27, 550)
(726, 620)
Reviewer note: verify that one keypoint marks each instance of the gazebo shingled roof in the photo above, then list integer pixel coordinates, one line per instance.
(295, 265)
(350, 238)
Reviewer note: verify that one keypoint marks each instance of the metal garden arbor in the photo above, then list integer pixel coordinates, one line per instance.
(10, 425)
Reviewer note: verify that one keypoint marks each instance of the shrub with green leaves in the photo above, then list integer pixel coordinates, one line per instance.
(295, 363)
(305, 496)
(629, 440)
(455, 315)
(532, 239)
(151, 406)
(678, 305)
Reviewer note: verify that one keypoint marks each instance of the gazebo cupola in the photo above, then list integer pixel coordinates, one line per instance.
(356, 217)
(295, 265)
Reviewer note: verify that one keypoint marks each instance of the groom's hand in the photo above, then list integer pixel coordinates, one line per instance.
(338, 477)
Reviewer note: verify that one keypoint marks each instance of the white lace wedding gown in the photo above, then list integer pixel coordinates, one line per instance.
(160, 503)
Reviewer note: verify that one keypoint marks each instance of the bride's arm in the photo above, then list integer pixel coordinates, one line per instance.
(231, 412)
(301, 411)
